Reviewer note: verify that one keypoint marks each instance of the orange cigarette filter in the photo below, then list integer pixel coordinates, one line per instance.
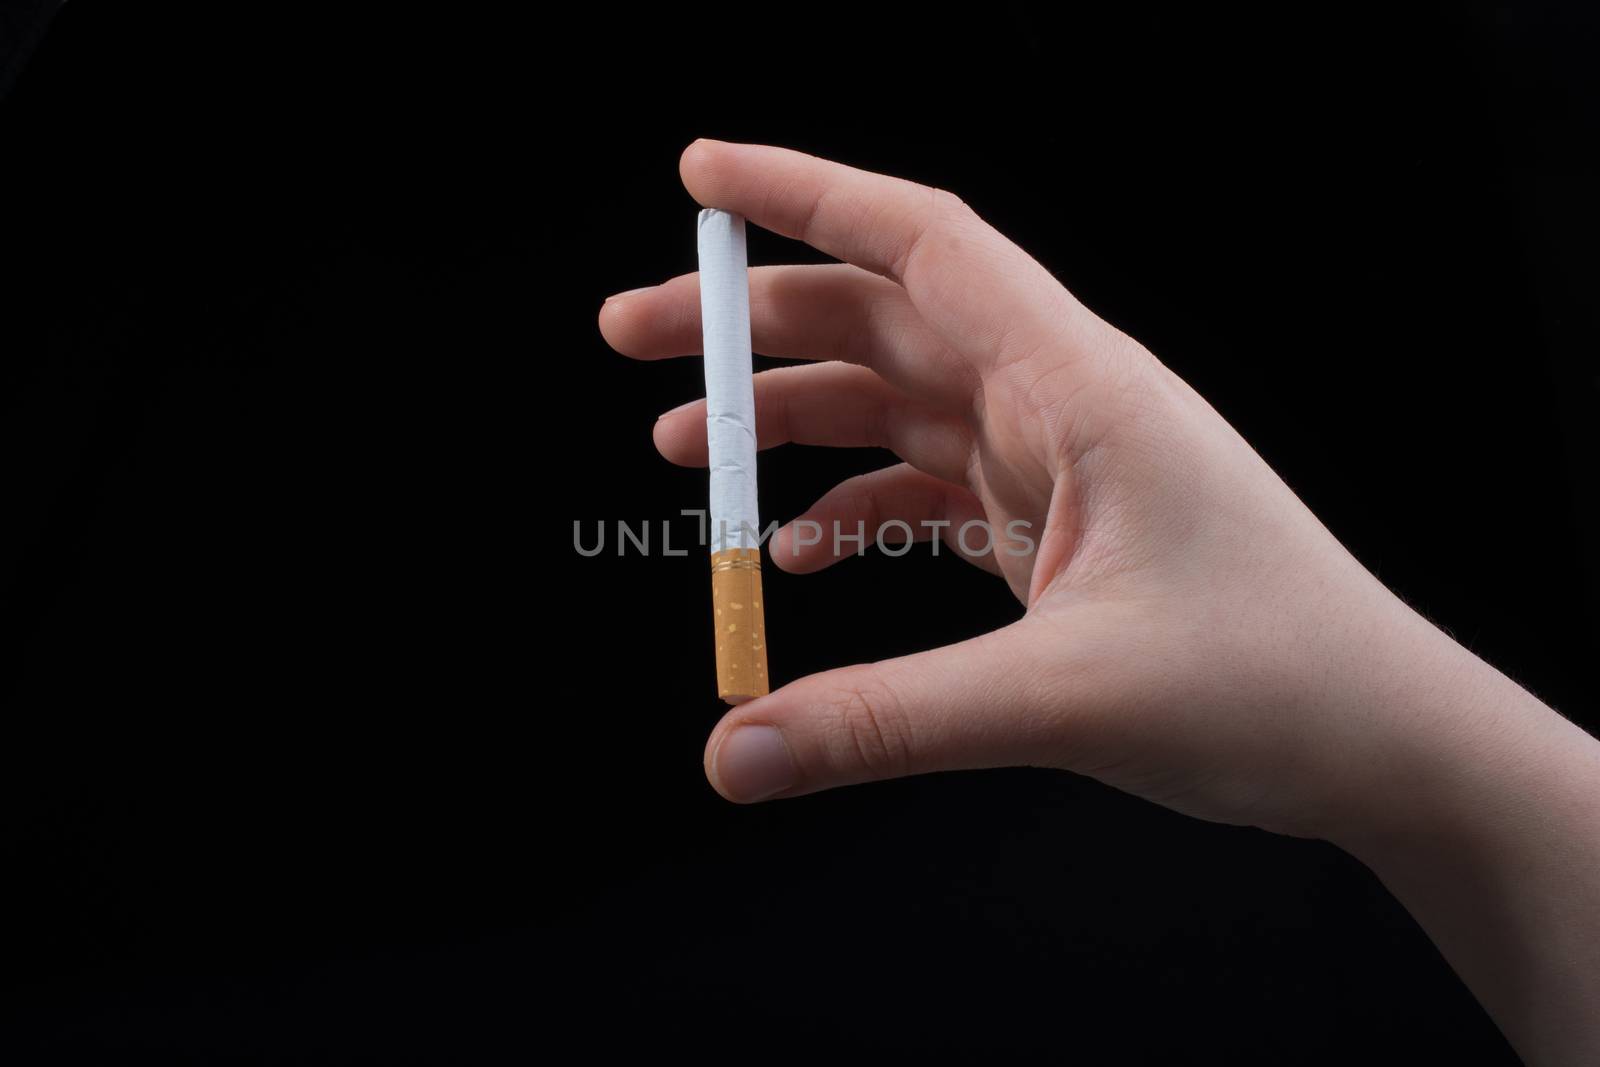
(741, 626)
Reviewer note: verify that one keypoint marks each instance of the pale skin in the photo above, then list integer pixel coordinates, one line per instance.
(1192, 634)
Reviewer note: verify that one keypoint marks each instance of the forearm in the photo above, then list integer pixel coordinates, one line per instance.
(1488, 831)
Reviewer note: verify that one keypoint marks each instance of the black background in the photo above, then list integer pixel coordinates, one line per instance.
(322, 743)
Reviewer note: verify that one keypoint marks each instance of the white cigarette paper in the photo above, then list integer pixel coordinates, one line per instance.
(730, 397)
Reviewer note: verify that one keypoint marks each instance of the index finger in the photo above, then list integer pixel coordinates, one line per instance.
(980, 291)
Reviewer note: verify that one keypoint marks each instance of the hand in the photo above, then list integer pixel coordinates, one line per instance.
(1188, 621)
(1192, 633)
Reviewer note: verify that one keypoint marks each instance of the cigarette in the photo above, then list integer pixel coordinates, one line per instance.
(741, 630)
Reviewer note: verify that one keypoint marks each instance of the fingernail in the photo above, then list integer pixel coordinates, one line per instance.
(754, 763)
(629, 292)
(674, 411)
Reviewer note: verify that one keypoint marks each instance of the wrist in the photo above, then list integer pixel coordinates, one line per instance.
(1485, 824)
(1460, 760)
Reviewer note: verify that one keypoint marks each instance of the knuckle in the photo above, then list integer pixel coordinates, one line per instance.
(947, 204)
(868, 726)
(938, 227)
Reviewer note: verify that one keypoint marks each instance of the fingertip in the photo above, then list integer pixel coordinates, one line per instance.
(689, 159)
(782, 550)
(674, 435)
(602, 320)
(616, 320)
(750, 762)
(661, 435)
(779, 543)
(708, 759)
(694, 152)
(696, 166)
(793, 556)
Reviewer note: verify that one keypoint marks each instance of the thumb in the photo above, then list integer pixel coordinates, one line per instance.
(979, 703)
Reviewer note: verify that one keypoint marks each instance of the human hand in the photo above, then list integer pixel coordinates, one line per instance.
(1192, 633)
